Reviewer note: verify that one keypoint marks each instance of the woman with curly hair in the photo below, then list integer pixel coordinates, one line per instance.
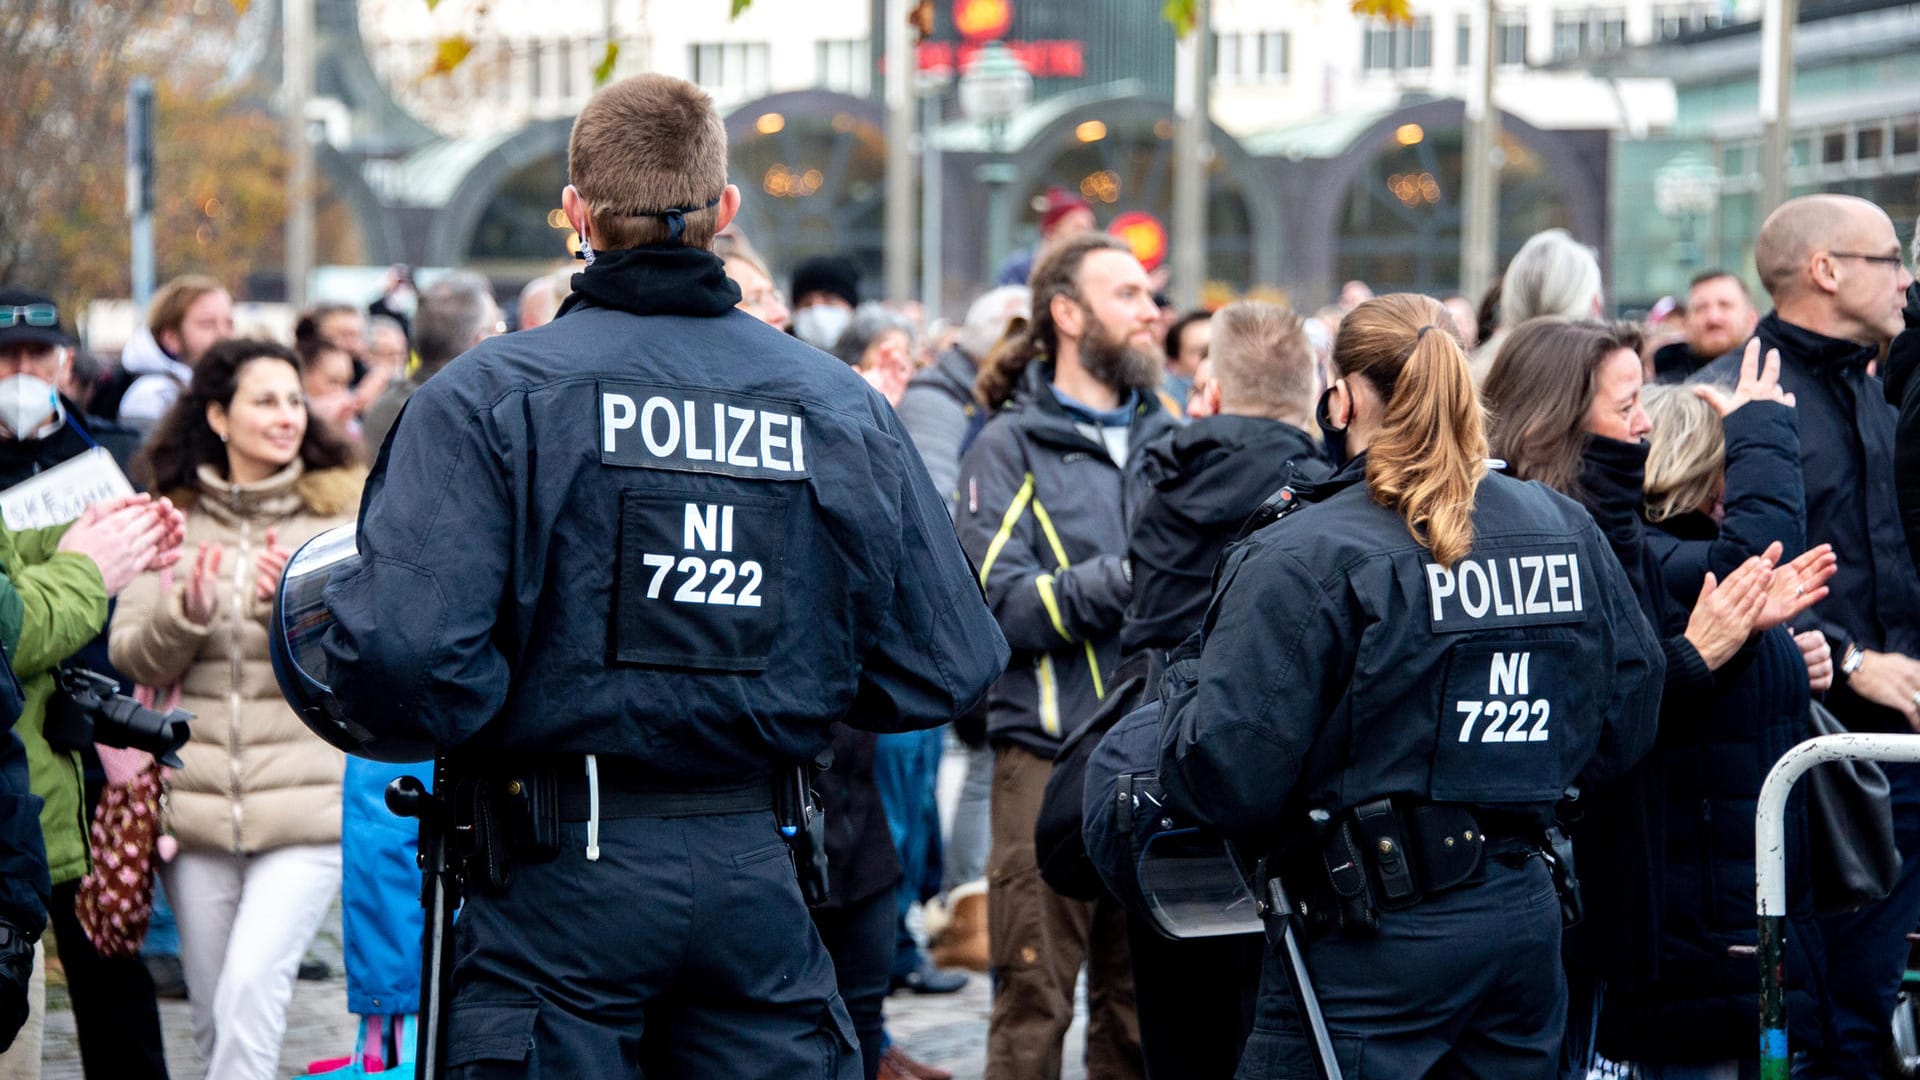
(256, 809)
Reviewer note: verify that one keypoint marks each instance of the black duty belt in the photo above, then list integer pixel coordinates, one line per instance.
(624, 792)
(1387, 856)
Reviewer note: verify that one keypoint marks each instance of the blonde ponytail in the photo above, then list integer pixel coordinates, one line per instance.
(1429, 456)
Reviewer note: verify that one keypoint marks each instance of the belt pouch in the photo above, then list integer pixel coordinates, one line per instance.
(528, 802)
(1380, 836)
(1449, 844)
(1348, 876)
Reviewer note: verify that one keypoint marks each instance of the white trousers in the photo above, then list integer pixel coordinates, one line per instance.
(245, 922)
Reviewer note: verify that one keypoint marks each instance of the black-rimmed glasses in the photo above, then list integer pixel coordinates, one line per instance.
(1889, 261)
(29, 315)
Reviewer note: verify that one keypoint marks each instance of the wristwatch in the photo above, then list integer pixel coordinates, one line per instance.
(1851, 660)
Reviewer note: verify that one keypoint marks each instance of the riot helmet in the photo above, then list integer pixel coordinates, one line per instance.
(300, 664)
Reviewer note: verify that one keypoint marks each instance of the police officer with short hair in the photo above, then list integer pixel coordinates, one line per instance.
(1395, 684)
(626, 568)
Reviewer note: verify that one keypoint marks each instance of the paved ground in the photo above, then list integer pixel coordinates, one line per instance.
(949, 1030)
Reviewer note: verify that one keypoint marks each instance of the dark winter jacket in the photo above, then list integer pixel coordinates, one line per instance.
(1206, 478)
(1847, 459)
(1676, 362)
(1714, 759)
(938, 411)
(1620, 839)
(1043, 513)
(1901, 373)
(861, 858)
(1339, 659)
(654, 529)
(22, 458)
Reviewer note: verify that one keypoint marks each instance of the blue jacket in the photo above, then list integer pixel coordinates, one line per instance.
(654, 529)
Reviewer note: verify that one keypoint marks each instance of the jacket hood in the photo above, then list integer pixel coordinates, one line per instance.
(144, 356)
(1186, 467)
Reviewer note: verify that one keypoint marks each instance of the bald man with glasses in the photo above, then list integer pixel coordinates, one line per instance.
(1835, 271)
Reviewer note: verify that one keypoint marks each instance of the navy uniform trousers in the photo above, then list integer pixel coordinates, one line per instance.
(684, 951)
(1466, 984)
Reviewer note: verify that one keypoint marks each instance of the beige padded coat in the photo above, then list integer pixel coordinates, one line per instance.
(255, 778)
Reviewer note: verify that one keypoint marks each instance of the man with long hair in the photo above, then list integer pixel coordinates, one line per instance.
(1044, 499)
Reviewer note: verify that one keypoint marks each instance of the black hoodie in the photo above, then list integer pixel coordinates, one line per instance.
(1206, 478)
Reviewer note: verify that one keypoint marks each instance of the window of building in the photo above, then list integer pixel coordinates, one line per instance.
(1509, 41)
(1251, 56)
(1833, 148)
(1672, 20)
(842, 66)
(1906, 137)
(1869, 143)
(1275, 58)
(1394, 47)
(1226, 57)
(734, 67)
(1596, 30)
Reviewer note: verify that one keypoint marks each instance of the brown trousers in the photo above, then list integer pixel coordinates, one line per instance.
(1039, 940)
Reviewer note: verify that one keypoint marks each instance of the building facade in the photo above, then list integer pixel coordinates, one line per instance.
(1336, 140)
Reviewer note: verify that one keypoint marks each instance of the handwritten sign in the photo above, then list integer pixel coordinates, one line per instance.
(59, 494)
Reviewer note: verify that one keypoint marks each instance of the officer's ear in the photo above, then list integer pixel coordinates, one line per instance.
(729, 206)
(574, 205)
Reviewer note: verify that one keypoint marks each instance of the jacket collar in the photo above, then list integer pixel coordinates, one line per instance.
(1816, 351)
(275, 497)
(1050, 420)
(657, 279)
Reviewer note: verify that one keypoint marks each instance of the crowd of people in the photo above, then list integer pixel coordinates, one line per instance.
(1748, 485)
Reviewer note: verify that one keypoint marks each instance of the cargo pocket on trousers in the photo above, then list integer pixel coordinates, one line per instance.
(490, 1031)
(839, 1052)
(1271, 1055)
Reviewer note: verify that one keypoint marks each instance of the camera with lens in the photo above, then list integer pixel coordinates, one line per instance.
(90, 708)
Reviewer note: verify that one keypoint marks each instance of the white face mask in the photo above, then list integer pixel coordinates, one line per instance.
(27, 403)
(821, 324)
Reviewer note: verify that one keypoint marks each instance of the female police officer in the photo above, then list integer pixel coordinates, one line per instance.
(1394, 685)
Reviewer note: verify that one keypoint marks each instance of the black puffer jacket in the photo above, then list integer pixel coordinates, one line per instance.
(1714, 759)
(1206, 479)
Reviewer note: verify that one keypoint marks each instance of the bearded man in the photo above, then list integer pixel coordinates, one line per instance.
(1044, 498)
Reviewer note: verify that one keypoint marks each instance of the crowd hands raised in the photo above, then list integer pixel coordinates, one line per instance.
(1726, 522)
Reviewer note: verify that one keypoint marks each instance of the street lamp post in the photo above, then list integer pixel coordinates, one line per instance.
(993, 90)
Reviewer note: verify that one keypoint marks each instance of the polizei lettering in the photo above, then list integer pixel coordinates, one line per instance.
(1514, 588)
(702, 431)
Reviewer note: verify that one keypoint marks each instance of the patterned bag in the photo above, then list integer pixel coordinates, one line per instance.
(115, 899)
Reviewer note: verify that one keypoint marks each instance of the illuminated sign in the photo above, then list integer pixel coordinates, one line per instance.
(1042, 59)
(982, 20)
(1144, 234)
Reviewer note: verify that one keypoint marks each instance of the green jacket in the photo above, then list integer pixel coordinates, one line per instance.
(64, 606)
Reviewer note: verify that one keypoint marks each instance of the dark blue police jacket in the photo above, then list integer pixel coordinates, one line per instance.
(1340, 663)
(655, 529)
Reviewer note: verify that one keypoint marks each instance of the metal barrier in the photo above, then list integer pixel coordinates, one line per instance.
(1770, 857)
